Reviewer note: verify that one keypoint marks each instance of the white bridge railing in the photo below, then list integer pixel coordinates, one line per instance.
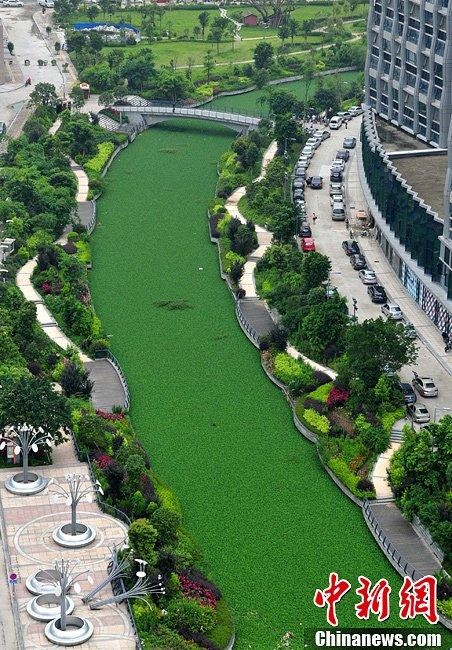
(217, 116)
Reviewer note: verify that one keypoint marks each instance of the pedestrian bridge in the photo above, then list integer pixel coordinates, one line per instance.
(154, 114)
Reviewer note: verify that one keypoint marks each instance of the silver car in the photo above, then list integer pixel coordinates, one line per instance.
(391, 310)
(418, 413)
(367, 276)
(425, 386)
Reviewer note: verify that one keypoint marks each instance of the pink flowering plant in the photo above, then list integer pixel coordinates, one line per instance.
(337, 397)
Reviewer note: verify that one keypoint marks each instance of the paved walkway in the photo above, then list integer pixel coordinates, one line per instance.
(29, 522)
(264, 238)
(380, 473)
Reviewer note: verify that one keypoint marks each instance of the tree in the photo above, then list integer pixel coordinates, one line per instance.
(390, 346)
(217, 30)
(308, 69)
(172, 85)
(246, 150)
(77, 97)
(209, 63)
(283, 222)
(280, 102)
(322, 329)
(286, 129)
(43, 95)
(306, 28)
(92, 12)
(196, 31)
(106, 99)
(76, 41)
(138, 69)
(315, 270)
(96, 42)
(10, 47)
(79, 137)
(34, 402)
(115, 58)
(203, 21)
(142, 537)
(76, 381)
(263, 56)
(148, 28)
(326, 99)
(283, 32)
(105, 6)
(293, 28)
(261, 77)
(272, 11)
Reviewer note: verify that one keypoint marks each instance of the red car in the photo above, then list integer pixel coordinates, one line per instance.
(307, 244)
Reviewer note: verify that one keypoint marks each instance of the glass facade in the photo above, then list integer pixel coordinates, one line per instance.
(411, 224)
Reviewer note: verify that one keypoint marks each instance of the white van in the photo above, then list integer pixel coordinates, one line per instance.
(335, 122)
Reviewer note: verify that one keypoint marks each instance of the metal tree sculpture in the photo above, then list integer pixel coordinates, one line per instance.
(118, 567)
(26, 439)
(75, 534)
(142, 587)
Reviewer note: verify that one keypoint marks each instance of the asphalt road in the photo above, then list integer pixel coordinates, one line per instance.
(329, 236)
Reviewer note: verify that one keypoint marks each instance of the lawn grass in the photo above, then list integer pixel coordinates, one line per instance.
(253, 492)
(249, 102)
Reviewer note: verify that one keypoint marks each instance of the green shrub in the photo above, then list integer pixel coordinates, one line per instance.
(340, 468)
(146, 615)
(319, 423)
(98, 162)
(92, 432)
(445, 607)
(321, 393)
(142, 537)
(224, 628)
(388, 419)
(186, 613)
(83, 252)
(165, 639)
(166, 496)
(135, 468)
(167, 523)
(292, 372)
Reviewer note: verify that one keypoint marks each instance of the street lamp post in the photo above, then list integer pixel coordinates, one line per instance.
(26, 439)
(74, 534)
(355, 309)
(118, 567)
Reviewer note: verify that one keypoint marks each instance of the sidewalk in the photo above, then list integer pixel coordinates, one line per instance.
(29, 522)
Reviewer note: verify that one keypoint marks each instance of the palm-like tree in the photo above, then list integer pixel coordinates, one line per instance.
(203, 21)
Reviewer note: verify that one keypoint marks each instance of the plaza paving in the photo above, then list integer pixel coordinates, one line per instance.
(29, 522)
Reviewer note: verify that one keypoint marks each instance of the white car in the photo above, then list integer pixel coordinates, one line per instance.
(335, 122)
(12, 3)
(355, 110)
(367, 276)
(48, 4)
(338, 164)
(391, 310)
(321, 135)
(308, 151)
(337, 198)
(336, 188)
(303, 161)
(312, 142)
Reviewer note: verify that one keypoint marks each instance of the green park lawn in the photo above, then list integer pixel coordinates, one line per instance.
(253, 492)
(251, 102)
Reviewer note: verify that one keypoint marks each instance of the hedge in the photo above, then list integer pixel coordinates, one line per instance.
(98, 162)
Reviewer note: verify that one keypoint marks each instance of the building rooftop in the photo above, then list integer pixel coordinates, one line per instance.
(427, 176)
(394, 139)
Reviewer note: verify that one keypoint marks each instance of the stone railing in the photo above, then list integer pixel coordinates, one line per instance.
(248, 329)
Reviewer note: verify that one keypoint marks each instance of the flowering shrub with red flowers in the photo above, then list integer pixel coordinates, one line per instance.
(48, 287)
(337, 397)
(197, 591)
(103, 460)
(110, 416)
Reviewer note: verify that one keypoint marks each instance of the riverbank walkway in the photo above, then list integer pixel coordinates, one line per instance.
(109, 389)
(26, 527)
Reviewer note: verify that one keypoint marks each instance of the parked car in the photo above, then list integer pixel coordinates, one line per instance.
(349, 143)
(337, 198)
(410, 330)
(322, 135)
(345, 115)
(418, 413)
(312, 142)
(351, 247)
(300, 172)
(308, 151)
(338, 212)
(316, 183)
(303, 161)
(377, 293)
(367, 276)
(338, 164)
(13, 3)
(48, 4)
(298, 194)
(425, 386)
(391, 310)
(336, 176)
(409, 396)
(307, 244)
(335, 122)
(355, 110)
(305, 230)
(343, 154)
(298, 183)
(336, 188)
(358, 262)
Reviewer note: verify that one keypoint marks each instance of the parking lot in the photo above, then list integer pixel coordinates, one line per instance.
(329, 235)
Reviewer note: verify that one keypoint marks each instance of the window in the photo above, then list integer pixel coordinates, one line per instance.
(447, 255)
(427, 42)
(412, 35)
(439, 48)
